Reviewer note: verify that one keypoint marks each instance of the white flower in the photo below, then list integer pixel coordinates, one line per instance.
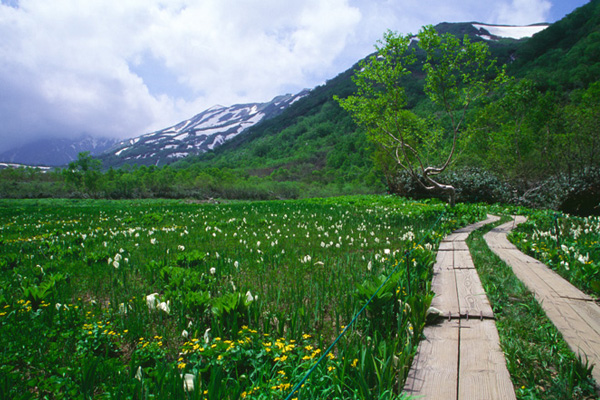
(206, 336)
(213, 270)
(188, 382)
(180, 247)
(115, 264)
(249, 297)
(138, 374)
(369, 266)
(153, 240)
(151, 301)
(236, 264)
(164, 307)
(305, 259)
(184, 334)
(386, 251)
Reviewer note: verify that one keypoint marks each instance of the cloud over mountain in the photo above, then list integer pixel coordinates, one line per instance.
(121, 69)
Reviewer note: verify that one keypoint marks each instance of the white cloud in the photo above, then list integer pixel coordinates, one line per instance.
(71, 64)
(523, 12)
(123, 68)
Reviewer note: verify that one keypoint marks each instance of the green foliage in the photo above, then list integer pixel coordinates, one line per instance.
(145, 294)
(566, 55)
(457, 73)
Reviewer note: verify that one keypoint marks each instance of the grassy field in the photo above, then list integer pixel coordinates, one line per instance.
(179, 300)
(147, 299)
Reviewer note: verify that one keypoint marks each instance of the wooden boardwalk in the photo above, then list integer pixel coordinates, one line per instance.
(574, 313)
(460, 357)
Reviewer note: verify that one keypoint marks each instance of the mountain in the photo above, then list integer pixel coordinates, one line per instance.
(199, 134)
(528, 137)
(4, 165)
(56, 151)
(315, 140)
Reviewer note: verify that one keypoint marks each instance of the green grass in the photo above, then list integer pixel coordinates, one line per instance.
(539, 361)
(248, 296)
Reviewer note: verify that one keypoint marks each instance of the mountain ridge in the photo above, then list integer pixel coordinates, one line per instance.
(196, 135)
(55, 152)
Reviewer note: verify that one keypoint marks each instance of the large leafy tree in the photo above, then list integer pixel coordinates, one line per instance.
(457, 73)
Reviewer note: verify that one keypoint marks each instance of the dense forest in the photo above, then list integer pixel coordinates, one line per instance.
(535, 141)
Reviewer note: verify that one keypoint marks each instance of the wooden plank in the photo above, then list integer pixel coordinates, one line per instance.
(443, 260)
(579, 332)
(446, 246)
(556, 283)
(463, 260)
(443, 285)
(573, 312)
(460, 246)
(482, 373)
(590, 312)
(434, 373)
(472, 299)
(460, 236)
(541, 277)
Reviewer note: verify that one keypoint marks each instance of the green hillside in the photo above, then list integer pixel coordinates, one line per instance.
(315, 142)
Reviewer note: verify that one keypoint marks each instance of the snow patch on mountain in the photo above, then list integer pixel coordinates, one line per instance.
(492, 32)
(203, 132)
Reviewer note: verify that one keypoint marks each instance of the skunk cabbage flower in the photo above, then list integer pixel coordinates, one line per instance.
(151, 300)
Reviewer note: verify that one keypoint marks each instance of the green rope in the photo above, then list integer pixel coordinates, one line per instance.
(407, 254)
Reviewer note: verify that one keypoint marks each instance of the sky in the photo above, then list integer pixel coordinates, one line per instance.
(122, 68)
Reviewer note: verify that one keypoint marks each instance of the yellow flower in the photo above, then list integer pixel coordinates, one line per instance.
(354, 362)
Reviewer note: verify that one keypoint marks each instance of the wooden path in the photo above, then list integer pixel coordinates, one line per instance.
(573, 312)
(460, 357)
